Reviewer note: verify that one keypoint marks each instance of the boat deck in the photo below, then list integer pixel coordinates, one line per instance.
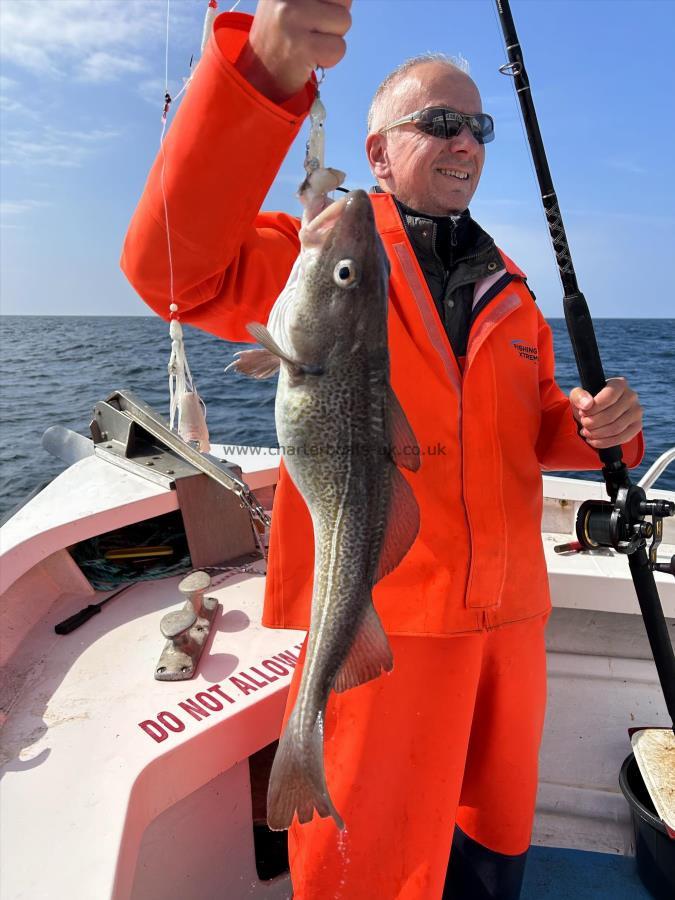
(118, 765)
(553, 873)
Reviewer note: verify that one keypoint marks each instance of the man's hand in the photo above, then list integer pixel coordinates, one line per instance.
(612, 417)
(290, 38)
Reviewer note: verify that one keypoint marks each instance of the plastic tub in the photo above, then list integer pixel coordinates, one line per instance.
(654, 850)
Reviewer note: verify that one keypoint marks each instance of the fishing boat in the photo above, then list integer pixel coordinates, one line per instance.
(136, 743)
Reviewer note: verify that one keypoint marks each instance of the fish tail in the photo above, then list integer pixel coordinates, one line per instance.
(298, 779)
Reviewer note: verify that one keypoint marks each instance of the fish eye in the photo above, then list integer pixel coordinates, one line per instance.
(345, 274)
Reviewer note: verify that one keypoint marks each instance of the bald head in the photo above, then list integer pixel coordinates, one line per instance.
(405, 82)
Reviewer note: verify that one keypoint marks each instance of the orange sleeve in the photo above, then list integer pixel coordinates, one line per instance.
(224, 148)
(560, 447)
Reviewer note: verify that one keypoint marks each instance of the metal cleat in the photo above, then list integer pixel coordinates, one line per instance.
(187, 630)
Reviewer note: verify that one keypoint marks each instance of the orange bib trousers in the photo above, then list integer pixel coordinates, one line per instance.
(451, 736)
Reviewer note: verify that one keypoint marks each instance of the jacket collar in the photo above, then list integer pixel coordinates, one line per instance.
(471, 253)
(389, 221)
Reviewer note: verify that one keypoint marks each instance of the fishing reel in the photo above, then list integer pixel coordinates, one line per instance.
(623, 525)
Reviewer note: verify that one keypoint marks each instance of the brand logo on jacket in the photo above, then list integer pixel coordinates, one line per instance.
(526, 351)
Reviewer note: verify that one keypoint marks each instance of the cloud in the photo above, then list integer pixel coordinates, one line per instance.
(9, 87)
(501, 102)
(10, 210)
(623, 217)
(626, 165)
(18, 207)
(80, 42)
(9, 105)
(152, 91)
(102, 66)
(89, 39)
(52, 146)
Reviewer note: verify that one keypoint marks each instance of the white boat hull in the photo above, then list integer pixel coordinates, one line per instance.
(135, 788)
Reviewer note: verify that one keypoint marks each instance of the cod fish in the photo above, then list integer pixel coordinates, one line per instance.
(343, 435)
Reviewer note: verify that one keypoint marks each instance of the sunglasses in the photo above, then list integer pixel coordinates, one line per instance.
(441, 122)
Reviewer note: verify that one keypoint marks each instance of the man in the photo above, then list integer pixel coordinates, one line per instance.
(441, 755)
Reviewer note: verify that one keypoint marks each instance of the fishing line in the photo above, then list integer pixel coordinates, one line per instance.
(187, 410)
(166, 47)
(178, 369)
(165, 113)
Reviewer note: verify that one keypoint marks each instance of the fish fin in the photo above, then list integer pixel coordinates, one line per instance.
(403, 524)
(369, 655)
(298, 780)
(262, 336)
(404, 449)
(255, 363)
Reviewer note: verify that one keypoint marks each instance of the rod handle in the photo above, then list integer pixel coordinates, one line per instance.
(587, 355)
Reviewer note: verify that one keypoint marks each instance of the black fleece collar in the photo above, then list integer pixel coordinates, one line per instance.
(448, 240)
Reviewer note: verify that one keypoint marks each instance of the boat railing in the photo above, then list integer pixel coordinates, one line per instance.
(657, 469)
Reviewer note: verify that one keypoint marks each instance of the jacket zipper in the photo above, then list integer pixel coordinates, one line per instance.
(490, 295)
(461, 430)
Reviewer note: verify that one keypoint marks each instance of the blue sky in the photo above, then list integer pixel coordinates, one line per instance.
(81, 88)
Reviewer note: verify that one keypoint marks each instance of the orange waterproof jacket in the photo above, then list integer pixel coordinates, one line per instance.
(485, 434)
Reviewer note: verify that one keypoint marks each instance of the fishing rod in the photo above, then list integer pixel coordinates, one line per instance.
(621, 522)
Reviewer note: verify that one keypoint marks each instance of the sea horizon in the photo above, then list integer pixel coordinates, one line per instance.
(57, 367)
(144, 315)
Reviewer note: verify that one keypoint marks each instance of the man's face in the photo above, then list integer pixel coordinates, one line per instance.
(431, 174)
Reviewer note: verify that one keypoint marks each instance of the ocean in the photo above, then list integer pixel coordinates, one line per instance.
(55, 368)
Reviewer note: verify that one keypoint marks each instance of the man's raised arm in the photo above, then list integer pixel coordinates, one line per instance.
(237, 119)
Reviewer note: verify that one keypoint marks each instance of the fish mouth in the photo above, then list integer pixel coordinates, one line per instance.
(353, 211)
(357, 207)
(314, 233)
(353, 225)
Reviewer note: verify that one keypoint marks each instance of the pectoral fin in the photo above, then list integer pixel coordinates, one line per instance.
(404, 449)
(403, 525)
(255, 363)
(262, 336)
(369, 655)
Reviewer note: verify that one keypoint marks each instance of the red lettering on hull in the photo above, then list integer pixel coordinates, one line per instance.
(216, 689)
(194, 709)
(286, 656)
(243, 686)
(275, 667)
(268, 678)
(213, 699)
(209, 701)
(170, 721)
(253, 680)
(156, 732)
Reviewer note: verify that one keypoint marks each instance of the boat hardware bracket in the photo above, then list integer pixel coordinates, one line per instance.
(123, 440)
(129, 433)
(187, 630)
